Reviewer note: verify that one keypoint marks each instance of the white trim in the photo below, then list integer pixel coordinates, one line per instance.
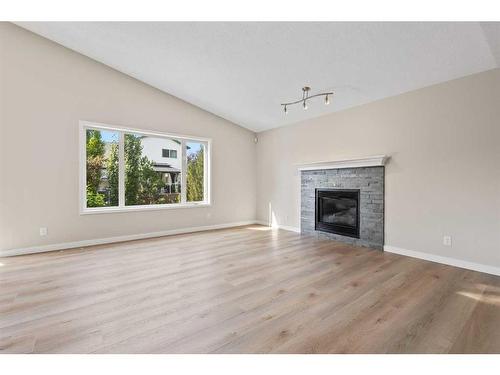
(121, 172)
(82, 152)
(208, 172)
(299, 208)
(390, 249)
(370, 161)
(184, 172)
(444, 260)
(101, 241)
(152, 207)
(284, 227)
(118, 128)
(262, 222)
(289, 228)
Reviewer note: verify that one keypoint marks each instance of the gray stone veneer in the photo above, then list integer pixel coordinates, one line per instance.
(369, 180)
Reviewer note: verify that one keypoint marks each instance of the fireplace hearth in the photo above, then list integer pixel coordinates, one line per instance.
(344, 204)
(337, 211)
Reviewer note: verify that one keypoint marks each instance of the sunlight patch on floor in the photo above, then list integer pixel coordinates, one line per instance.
(260, 227)
(488, 287)
(489, 298)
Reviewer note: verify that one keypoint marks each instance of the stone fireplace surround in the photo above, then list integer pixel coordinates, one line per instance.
(365, 174)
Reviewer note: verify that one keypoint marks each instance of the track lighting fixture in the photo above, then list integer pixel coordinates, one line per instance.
(306, 97)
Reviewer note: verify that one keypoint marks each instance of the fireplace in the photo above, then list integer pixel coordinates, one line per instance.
(337, 211)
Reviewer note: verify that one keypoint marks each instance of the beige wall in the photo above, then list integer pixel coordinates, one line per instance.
(45, 89)
(444, 172)
(443, 176)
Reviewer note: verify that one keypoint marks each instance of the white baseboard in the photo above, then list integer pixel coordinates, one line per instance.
(444, 260)
(291, 229)
(262, 222)
(284, 227)
(101, 241)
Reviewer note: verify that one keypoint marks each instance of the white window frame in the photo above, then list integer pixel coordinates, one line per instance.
(84, 210)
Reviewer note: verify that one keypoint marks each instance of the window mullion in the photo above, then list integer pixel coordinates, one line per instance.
(83, 167)
(121, 170)
(206, 180)
(183, 171)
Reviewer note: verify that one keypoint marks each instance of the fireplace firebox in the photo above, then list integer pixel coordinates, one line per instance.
(337, 211)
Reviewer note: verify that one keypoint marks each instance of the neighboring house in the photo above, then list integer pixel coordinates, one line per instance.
(167, 161)
(166, 157)
(104, 183)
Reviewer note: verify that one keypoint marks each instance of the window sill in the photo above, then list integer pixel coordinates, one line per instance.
(111, 210)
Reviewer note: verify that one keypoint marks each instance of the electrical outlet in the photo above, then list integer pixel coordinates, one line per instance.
(43, 231)
(447, 240)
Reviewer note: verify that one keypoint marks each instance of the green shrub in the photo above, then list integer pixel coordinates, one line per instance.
(94, 199)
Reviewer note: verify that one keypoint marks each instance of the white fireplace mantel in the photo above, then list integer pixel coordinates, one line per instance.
(370, 161)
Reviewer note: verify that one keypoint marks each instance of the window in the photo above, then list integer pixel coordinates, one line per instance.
(169, 153)
(126, 169)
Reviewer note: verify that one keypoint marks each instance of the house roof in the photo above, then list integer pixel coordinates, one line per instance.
(158, 167)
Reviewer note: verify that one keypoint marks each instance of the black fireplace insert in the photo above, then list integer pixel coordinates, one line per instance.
(337, 211)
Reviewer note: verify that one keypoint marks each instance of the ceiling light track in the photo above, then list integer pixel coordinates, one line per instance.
(306, 97)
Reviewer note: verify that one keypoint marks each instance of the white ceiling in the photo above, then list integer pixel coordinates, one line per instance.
(243, 71)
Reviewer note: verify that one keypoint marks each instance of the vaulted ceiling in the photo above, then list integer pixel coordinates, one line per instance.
(243, 71)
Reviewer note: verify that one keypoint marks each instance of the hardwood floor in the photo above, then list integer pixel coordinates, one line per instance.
(243, 290)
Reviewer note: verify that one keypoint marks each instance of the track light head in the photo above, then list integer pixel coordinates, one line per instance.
(306, 97)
